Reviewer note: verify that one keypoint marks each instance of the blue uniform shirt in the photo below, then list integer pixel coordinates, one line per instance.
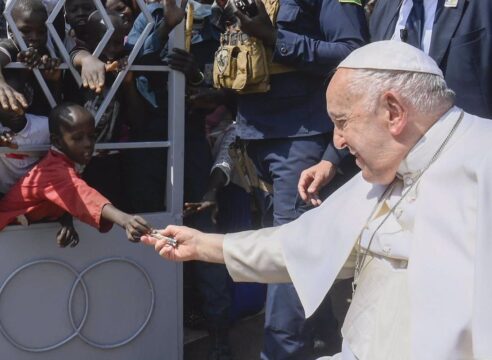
(313, 36)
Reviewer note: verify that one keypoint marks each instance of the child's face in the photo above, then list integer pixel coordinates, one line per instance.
(32, 27)
(115, 49)
(77, 12)
(120, 7)
(77, 139)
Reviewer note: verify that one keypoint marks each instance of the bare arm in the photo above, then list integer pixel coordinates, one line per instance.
(134, 225)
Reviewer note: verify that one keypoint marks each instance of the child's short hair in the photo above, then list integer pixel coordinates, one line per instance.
(29, 5)
(96, 25)
(61, 115)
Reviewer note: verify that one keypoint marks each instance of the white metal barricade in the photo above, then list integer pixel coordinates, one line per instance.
(107, 298)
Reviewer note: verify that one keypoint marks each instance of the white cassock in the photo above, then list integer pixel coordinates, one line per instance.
(425, 292)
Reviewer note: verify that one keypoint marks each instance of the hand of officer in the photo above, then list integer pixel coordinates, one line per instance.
(313, 179)
(184, 62)
(259, 26)
(173, 14)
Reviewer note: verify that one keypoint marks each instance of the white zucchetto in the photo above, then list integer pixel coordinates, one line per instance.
(391, 55)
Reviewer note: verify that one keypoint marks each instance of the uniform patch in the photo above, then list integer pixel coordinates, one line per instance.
(356, 2)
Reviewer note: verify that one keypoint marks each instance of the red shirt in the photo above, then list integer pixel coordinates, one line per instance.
(50, 189)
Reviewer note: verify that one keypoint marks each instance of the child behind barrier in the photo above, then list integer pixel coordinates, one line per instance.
(53, 189)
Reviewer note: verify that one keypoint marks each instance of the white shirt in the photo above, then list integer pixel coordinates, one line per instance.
(430, 7)
(15, 165)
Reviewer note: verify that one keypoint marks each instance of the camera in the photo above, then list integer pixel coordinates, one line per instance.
(247, 7)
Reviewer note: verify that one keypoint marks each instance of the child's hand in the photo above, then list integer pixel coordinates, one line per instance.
(93, 73)
(30, 57)
(135, 227)
(173, 14)
(117, 65)
(11, 99)
(51, 71)
(67, 235)
(7, 140)
(209, 201)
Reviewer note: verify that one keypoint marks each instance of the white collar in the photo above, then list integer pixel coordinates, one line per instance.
(422, 152)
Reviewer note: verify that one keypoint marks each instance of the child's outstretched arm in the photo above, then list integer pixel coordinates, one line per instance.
(92, 70)
(135, 225)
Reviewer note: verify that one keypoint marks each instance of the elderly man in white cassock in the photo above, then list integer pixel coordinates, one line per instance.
(414, 228)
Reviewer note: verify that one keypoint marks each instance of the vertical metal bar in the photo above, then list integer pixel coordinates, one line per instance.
(131, 58)
(59, 43)
(175, 160)
(109, 25)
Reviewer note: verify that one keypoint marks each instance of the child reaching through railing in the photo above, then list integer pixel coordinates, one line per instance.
(54, 188)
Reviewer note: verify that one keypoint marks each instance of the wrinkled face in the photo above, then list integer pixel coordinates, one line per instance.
(78, 138)
(32, 27)
(77, 13)
(121, 8)
(365, 134)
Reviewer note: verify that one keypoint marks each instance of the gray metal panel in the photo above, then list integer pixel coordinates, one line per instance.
(35, 312)
(34, 304)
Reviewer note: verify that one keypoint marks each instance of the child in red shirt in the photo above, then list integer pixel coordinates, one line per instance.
(53, 188)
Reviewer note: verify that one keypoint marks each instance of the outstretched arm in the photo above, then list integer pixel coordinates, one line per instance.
(249, 256)
(191, 245)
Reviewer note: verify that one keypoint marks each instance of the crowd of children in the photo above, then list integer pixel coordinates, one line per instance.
(102, 188)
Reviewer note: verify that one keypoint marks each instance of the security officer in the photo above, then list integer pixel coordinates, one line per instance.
(457, 34)
(287, 130)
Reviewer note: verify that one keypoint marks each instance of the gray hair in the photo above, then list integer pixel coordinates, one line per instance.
(424, 92)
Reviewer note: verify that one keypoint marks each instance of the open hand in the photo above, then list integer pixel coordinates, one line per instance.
(187, 241)
(93, 73)
(313, 179)
(11, 99)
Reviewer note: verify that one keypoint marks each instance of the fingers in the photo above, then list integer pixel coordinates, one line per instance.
(61, 237)
(142, 225)
(112, 66)
(304, 182)
(75, 239)
(181, 52)
(21, 99)
(148, 240)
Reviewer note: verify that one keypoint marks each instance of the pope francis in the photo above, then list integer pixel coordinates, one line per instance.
(412, 228)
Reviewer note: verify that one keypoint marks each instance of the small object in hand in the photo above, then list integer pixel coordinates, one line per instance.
(169, 240)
